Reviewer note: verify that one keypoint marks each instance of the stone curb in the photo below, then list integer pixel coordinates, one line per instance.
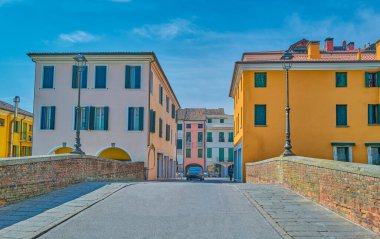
(44, 222)
(267, 217)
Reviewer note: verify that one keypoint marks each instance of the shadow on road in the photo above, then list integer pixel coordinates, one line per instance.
(207, 180)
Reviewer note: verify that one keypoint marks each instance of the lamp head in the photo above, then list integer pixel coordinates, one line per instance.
(80, 60)
(286, 60)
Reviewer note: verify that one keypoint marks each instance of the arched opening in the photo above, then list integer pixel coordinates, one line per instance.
(63, 150)
(115, 153)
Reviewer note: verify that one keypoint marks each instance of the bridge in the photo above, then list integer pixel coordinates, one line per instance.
(89, 197)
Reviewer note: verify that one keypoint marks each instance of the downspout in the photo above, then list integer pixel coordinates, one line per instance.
(16, 100)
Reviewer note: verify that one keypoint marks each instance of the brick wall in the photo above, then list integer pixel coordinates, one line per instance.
(350, 189)
(26, 177)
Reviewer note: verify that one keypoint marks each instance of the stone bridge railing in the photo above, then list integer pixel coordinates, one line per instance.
(26, 177)
(350, 189)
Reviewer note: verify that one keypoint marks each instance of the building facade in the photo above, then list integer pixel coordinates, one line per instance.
(334, 101)
(205, 138)
(16, 142)
(128, 108)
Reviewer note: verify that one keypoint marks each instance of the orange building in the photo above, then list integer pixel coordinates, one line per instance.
(334, 100)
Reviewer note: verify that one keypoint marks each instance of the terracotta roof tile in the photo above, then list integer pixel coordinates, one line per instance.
(197, 114)
(10, 108)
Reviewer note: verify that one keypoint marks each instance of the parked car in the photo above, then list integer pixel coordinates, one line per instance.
(195, 172)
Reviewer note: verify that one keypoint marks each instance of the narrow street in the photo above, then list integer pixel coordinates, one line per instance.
(209, 209)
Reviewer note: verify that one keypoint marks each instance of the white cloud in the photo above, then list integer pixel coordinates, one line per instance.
(168, 30)
(2, 2)
(125, 1)
(78, 37)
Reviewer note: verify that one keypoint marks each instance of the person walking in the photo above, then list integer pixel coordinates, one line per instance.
(230, 172)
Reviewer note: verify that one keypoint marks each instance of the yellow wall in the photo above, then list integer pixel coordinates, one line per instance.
(18, 139)
(115, 153)
(313, 100)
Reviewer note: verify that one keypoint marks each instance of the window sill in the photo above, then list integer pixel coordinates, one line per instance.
(373, 124)
(47, 88)
(261, 125)
(342, 126)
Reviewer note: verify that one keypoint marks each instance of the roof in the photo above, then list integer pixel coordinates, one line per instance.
(118, 53)
(197, 114)
(10, 108)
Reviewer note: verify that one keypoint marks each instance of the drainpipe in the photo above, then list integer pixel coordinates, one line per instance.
(16, 100)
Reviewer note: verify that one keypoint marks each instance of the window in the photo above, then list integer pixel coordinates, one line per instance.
(374, 155)
(230, 154)
(24, 131)
(167, 132)
(161, 95)
(132, 77)
(16, 127)
(48, 77)
(341, 79)
(15, 151)
(179, 143)
(260, 79)
(135, 118)
(374, 114)
(221, 154)
(99, 118)
(209, 120)
(222, 121)
(152, 121)
(342, 154)
(47, 117)
(209, 136)
(167, 104)
(2, 122)
(241, 118)
(188, 126)
(151, 82)
(260, 115)
(230, 136)
(25, 151)
(160, 128)
(209, 152)
(200, 126)
(179, 127)
(100, 77)
(372, 79)
(200, 137)
(200, 153)
(221, 136)
(84, 118)
(173, 111)
(341, 115)
(188, 153)
(188, 136)
(82, 76)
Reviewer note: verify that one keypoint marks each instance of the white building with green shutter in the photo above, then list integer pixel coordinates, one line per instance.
(123, 115)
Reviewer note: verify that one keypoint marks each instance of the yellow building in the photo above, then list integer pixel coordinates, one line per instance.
(22, 133)
(334, 100)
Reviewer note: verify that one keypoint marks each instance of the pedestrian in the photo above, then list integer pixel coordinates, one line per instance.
(230, 172)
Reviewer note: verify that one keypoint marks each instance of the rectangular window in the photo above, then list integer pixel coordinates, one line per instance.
(161, 95)
(24, 131)
(188, 136)
(152, 121)
(372, 79)
(209, 136)
(200, 137)
(16, 151)
(188, 126)
(179, 143)
(341, 79)
(99, 118)
(173, 111)
(200, 153)
(47, 117)
(209, 152)
(82, 76)
(167, 104)
(16, 127)
(2, 122)
(374, 114)
(342, 154)
(221, 137)
(136, 118)
(200, 126)
(374, 155)
(260, 115)
(160, 128)
(188, 153)
(151, 82)
(84, 118)
(48, 77)
(100, 77)
(230, 154)
(209, 120)
(132, 77)
(167, 135)
(221, 154)
(341, 115)
(230, 136)
(260, 79)
(179, 127)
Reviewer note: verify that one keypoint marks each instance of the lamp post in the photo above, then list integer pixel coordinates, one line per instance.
(286, 61)
(80, 62)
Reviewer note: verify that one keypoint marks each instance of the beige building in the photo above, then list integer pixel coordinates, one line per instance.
(128, 108)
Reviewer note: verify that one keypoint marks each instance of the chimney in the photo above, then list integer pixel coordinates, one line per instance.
(313, 51)
(329, 44)
(378, 50)
(344, 45)
(351, 46)
(359, 55)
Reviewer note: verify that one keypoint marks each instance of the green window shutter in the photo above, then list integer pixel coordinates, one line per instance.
(341, 115)
(43, 117)
(84, 77)
(378, 114)
(100, 77)
(138, 77)
(200, 137)
(378, 79)
(74, 82)
(179, 143)
(367, 79)
(260, 79)
(221, 154)
(209, 136)
(160, 128)
(161, 95)
(173, 111)
(52, 117)
(209, 152)
(341, 79)
(92, 118)
(230, 137)
(48, 77)
(141, 118)
(230, 155)
(260, 115)
(371, 114)
(130, 118)
(106, 114)
(127, 77)
(179, 126)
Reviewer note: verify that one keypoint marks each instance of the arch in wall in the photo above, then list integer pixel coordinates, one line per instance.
(193, 164)
(116, 153)
(61, 150)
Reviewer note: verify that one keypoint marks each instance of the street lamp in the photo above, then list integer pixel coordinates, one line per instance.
(286, 61)
(80, 62)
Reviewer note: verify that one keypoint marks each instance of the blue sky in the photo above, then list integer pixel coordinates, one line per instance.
(196, 41)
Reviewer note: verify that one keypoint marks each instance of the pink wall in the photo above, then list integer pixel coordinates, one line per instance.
(194, 143)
